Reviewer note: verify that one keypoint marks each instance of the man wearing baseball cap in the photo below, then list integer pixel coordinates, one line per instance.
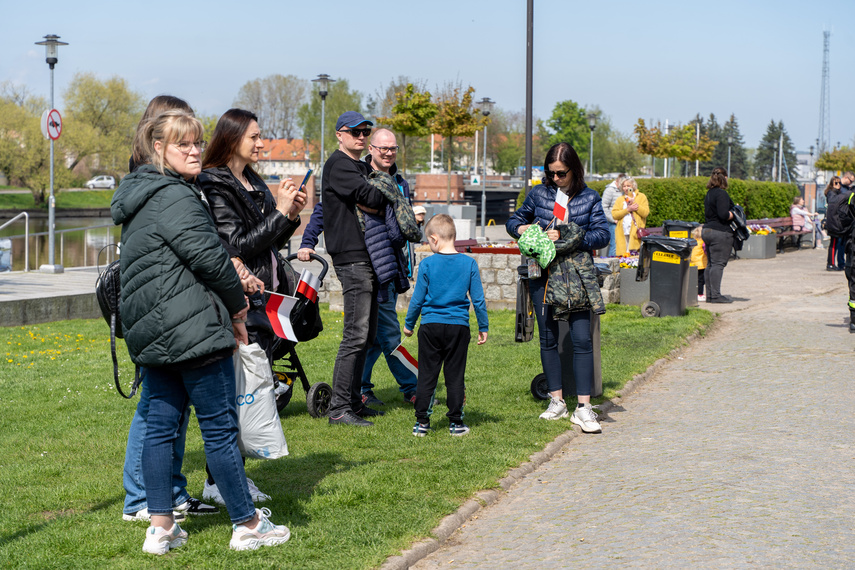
(345, 188)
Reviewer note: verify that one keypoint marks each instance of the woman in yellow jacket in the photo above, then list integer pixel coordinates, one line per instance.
(630, 212)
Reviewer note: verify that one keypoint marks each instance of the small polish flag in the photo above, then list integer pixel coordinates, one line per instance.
(560, 208)
(279, 312)
(406, 359)
(308, 286)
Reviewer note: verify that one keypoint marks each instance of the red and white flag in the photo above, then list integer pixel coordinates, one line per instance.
(308, 286)
(560, 208)
(406, 359)
(279, 312)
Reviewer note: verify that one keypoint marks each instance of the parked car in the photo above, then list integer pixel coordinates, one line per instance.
(102, 182)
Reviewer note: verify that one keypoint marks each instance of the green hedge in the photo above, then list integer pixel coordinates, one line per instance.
(683, 198)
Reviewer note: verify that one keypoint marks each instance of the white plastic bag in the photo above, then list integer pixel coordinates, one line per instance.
(260, 434)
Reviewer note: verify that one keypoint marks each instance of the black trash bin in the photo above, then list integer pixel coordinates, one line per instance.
(666, 260)
(678, 228)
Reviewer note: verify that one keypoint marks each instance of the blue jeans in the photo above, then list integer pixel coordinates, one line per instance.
(612, 242)
(580, 335)
(211, 390)
(387, 339)
(359, 293)
(132, 479)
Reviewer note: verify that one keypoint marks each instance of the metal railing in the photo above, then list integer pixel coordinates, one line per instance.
(26, 217)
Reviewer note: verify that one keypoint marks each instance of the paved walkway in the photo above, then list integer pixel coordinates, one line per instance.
(736, 454)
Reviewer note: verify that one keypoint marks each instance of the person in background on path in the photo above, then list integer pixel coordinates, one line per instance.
(700, 260)
(717, 233)
(178, 289)
(345, 188)
(420, 212)
(610, 196)
(446, 283)
(382, 153)
(804, 220)
(568, 289)
(836, 254)
(630, 212)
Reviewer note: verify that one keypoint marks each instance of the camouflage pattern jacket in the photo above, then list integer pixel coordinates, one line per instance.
(571, 279)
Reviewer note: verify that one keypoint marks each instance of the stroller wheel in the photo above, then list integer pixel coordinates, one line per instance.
(283, 388)
(318, 399)
(539, 387)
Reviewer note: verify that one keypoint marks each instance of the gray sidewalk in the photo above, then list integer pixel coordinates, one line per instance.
(736, 454)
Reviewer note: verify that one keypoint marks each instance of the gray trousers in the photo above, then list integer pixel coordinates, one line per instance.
(718, 245)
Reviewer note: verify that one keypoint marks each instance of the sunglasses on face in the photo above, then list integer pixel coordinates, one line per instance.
(356, 132)
(557, 174)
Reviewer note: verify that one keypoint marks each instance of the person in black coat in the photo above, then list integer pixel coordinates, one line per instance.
(717, 233)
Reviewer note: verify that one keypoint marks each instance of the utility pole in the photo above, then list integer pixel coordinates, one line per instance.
(824, 139)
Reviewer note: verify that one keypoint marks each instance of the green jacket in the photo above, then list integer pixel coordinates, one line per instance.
(179, 287)
(572, 281)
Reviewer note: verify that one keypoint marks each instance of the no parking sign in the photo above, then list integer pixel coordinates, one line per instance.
(51, 124)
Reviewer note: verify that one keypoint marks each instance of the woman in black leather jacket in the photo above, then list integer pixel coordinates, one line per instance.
(565, 173)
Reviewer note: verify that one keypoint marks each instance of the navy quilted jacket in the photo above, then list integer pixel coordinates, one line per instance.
(585, 209)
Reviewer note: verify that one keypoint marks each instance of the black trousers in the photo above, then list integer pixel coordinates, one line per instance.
(443, 347)
(849, 271)
(719, 245)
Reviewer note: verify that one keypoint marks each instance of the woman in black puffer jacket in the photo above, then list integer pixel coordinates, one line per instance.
(565, 173)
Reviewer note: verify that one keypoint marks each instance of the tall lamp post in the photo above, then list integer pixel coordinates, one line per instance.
(486, 105)
(729, 143)
(592, 124)
(323, 80)
(51, 44)
(774, 159)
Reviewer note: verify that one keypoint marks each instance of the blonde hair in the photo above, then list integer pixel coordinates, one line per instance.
(696, 233)
(167, 127)
(632, 183)
(443, 226)
(156, 106)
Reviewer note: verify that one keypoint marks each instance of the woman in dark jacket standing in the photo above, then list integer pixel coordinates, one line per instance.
(556, 295)
(178, 289)
(717, 233)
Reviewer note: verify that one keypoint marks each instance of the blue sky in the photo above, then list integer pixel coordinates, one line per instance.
(758, 59)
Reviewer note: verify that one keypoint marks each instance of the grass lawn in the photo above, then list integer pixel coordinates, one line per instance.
(351, 496)
(82, 199)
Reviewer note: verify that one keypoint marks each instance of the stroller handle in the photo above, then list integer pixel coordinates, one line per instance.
(315, 257)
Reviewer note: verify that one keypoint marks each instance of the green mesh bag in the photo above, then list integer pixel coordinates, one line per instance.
(535, 244)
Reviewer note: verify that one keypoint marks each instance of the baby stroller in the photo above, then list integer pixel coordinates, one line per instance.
(306, 321)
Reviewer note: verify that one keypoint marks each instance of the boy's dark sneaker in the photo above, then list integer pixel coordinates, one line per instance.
(421, 430)
(410, 397)
(366, 412)
(368, 398)
(196, 507)
(350, 419)
(458, 429)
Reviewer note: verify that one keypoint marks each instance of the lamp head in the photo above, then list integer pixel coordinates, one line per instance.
(323, 80)
(51, 44)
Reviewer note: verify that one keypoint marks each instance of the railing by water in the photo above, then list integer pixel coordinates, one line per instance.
(90, 245)
(26, 217)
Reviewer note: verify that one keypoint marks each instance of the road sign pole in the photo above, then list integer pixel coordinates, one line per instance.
(51, 267)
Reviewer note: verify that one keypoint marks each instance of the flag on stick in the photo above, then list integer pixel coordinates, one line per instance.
(279, 312)
(308, 286)
(560, 208)
(406, 359)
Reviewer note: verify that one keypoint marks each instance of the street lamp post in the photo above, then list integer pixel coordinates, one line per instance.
(774, 159)
(323, 80)
(51, 44)
(592, 124)
(486, 105)
(729, 143)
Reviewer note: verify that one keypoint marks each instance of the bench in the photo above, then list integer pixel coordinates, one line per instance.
(465, 245)
(783, 229)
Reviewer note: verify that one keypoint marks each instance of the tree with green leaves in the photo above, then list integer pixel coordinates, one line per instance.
(739, 166)
(455, 117)
(838, 160)
(410, 116)
(100, 120)
(340, 98)
(767, 156)
(276, 101)
(569, 123)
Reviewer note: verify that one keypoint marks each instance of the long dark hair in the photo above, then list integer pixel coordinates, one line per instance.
(830, 186)
(718, 179)
(566, 155)
(227, 136)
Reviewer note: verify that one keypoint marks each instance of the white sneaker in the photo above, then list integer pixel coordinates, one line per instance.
(142, 515)
(586, 418)
(160, 541)
(557, 409)
(211, 493)
(264, 534)
(257, 496)
(702, 298)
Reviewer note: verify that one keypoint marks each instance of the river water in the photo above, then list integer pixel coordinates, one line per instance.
(72, 248)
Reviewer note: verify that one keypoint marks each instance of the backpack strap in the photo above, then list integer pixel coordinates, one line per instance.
(137, 378)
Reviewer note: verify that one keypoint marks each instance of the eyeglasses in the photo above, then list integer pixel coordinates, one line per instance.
(386, 149)
(187, 147)
(558, 174)
(356, 132)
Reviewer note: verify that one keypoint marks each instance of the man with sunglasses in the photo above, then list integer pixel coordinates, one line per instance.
(346, 188)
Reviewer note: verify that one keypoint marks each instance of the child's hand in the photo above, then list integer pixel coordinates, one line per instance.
(408, 332)
(482, 337)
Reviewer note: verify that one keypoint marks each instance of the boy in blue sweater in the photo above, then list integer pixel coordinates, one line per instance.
(444, 281)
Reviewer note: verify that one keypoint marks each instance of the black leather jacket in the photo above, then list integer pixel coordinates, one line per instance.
(248, 220)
